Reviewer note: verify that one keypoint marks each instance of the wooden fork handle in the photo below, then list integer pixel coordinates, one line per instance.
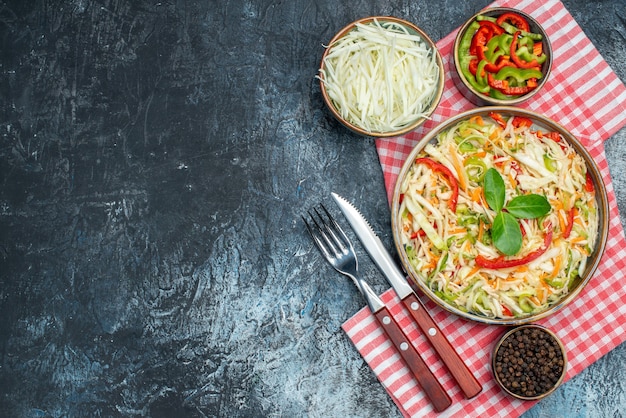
(435, 392)
(463, 376)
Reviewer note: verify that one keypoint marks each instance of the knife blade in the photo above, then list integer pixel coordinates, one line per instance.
(377, 251)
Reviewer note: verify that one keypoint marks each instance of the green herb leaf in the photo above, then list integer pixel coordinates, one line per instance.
(529, 206)
(494, 189)
(506, 233)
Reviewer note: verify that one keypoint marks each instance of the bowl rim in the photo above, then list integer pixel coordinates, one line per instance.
(436, 99)
(482, 99)
(601, 198)
(504, 337)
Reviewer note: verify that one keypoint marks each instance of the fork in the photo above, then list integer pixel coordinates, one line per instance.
(338, 251)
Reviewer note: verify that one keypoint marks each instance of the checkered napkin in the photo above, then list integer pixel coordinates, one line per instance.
(584, 95)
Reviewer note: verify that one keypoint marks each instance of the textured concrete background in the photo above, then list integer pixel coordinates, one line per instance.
(154, 163)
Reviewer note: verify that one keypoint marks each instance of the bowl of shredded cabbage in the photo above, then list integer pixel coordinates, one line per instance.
(381, 76)
(500, 215)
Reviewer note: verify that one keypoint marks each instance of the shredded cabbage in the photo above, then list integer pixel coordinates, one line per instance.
(380, 77)
(434, 233)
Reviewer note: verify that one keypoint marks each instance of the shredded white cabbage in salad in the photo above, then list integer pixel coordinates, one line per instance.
(380, 77)
(446, 246)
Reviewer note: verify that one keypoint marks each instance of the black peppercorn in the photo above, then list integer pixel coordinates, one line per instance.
(529, 362)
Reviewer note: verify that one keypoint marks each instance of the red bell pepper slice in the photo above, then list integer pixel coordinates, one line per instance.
(494, 68)
(473, 66)
(521, 121)
(570, 222)
(479, 41)
(516, 91)
(497, 84)
(589, 187)
(515, 20)
(502, 262)
(447, 174)
(517, 60)
(494, 28)
(498, 118)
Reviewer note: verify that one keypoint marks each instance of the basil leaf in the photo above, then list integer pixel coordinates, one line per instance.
(506, 233)
(494, 189)
(529, 206)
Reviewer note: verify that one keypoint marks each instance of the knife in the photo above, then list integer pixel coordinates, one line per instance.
(377, 251)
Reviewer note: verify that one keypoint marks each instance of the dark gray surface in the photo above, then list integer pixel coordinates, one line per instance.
(154, 163)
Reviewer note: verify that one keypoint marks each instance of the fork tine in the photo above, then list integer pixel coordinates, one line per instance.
(335, 230)
(314, 231)
(328, 234)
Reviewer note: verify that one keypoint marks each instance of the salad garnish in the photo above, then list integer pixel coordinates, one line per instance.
(498, 217)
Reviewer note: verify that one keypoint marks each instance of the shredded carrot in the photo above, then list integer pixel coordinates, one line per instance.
(430, 265)
(562, 222)
(576, 239)
(481, 227)
(478, 120)
(557, 267)
(474, 271)
(556, 204)
(512, 180)
(541, 294)
(460, 171)
(458, 231)
(534, 300)
(522, 269)
(476, 194)
(480, 154)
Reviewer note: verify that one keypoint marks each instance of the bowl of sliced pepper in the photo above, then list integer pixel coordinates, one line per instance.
(502, 56)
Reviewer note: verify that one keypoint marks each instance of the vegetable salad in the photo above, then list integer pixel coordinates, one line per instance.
(498, 217)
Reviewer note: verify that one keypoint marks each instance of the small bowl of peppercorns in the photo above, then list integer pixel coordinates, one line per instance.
(529, 362)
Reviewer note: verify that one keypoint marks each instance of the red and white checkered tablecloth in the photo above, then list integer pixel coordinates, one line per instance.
(584, 95)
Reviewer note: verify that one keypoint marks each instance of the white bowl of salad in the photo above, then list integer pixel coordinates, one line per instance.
(500, 215)
(381, 76)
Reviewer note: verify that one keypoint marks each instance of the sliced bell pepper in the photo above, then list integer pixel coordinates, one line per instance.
(497, 84)
(502, 84)
(447, 174)
(476, 168)
(516, 59)
(481, 76)
(495, 28)
(494, 68)
(521, 75)
(527, 55)
(479, 41)
(503, 262)
(511, 29)
(516, 90)
(497, 94)
(521, 121)
(498, 118)
(515, 19)
(589, 187)
(570, 222)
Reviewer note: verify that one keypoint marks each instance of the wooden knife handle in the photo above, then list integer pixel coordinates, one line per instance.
(438, 397)
(465, 379)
